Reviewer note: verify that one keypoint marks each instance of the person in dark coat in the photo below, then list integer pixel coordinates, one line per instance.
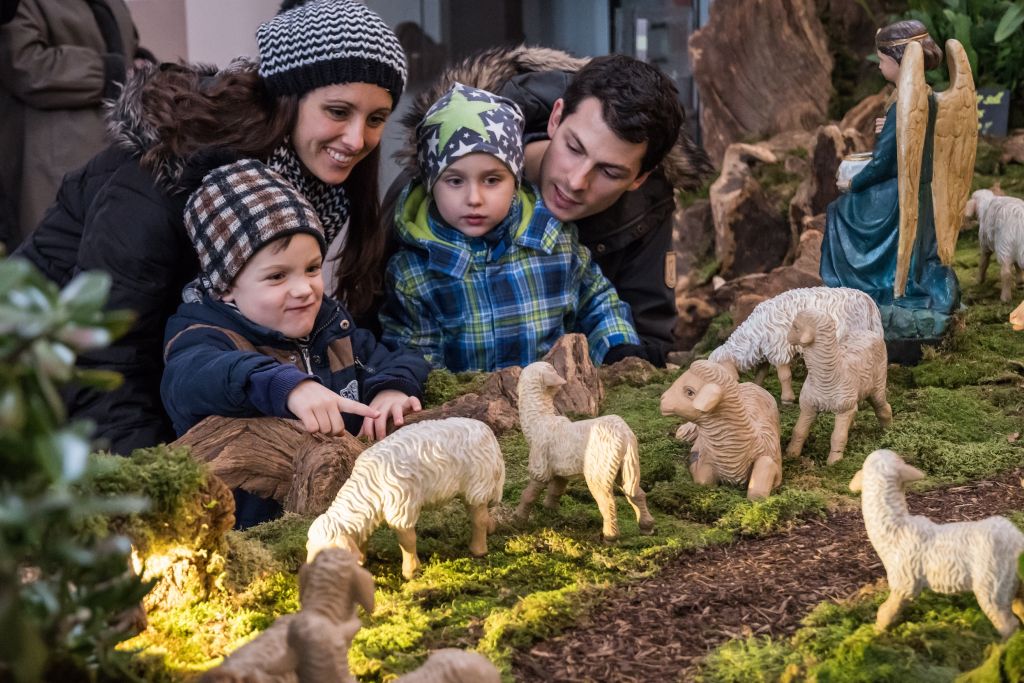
(315, 118)
(604, 144)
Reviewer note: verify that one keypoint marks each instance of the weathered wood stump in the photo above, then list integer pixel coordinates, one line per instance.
(275, 458)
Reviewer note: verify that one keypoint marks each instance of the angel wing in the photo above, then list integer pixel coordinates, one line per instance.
(911, 128)
(956, 144)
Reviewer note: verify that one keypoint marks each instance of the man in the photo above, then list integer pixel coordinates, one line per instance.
(605, 147)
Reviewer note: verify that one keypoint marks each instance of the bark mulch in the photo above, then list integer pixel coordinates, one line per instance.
(659, 629)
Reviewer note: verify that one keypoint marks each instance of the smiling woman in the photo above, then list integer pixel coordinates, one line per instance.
(313, 115)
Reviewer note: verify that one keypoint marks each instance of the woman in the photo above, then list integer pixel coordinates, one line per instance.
(862, 227)
(330, 73)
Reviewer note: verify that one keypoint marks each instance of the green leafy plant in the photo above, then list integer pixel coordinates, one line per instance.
(67, 592)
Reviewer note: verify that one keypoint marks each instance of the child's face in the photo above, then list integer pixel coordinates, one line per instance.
(281, 288)
(474, 193)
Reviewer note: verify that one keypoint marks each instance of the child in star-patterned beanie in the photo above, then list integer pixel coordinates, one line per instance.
(486, 276)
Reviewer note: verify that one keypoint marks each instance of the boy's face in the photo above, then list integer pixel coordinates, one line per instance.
(281, 288)
(587, 166)
(475, 193)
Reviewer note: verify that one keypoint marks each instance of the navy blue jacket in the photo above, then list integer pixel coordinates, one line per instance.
(218, 362)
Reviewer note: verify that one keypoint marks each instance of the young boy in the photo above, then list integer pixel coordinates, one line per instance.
(487, 277)
(264, 340)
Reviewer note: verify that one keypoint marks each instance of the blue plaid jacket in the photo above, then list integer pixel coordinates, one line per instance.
(476, 304)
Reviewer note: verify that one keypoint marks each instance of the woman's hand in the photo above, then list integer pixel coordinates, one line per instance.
(319, 409)
(879, 123)
(390, 403)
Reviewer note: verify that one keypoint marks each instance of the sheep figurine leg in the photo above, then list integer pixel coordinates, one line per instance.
(1017, 318)
(1007, 278)
(979, 556)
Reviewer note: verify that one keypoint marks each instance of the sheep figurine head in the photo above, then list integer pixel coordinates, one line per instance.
(319, 531)
(697, 391)
(804, 328)
(544, 374)
(888, 465)
(1017, 318)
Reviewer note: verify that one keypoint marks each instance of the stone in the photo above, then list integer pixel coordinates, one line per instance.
(761, 68)
(751, 234)
(632, 371)
(862, 119)
(696, 308)
(1013, 148)
(693, 240)
(802, 273)
(819, 189)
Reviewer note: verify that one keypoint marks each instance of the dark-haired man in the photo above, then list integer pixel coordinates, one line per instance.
(597, 145)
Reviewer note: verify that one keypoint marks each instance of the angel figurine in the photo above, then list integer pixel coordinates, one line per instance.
(893, 233)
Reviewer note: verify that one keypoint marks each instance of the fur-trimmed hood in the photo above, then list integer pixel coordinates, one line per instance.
(686, 166)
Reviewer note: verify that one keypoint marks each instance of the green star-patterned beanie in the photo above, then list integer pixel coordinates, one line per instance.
(464, 121)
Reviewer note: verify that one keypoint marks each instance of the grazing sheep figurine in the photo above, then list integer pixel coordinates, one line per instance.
(1000, 230)
(453, 666)
(311, 645)
(840, 374)
(422, 464)
(1017, 318)
(599, 449)
(734, 428)
(917, 553)
(763, 335)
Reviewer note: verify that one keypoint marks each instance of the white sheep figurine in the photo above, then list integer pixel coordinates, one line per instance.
(917, 553)
(600, 449)
(840, 374)
(423, 464)
(734, 428)
(1000, 231)
(763, 335)
(452, 665)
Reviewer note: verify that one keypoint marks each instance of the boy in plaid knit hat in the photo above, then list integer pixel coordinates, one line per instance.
(486, 276)
(264, 340)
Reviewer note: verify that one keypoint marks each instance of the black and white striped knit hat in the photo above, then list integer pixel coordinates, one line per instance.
(237, 210)
(326, 42)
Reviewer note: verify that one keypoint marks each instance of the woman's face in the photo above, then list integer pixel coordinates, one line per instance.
(889, 67)
(337, 126)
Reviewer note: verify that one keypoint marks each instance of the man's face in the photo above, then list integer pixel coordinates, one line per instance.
(587, 167)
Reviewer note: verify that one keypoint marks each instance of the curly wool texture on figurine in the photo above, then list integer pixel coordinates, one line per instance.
(600, 449)
(917, 553)
(1000, 231)
(452, 665)
(734, 427)
(311, 645)
(763, 336)
(421, 465)
(840, 374)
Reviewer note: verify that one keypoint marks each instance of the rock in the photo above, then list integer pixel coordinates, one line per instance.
(816, 192)
(802, 273)
(751, 234)
(693, 241)
(761, 68)
(633, 371)
(862, 119)
(1013, 148)
(696, 309)
(743, 306)
(275, 458)
(497, 404)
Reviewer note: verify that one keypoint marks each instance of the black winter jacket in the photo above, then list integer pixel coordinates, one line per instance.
(221, 363)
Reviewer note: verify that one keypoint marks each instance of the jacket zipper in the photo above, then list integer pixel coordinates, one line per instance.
(305, 358)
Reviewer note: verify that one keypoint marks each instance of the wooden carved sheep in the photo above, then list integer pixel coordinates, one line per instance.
(1017, 318)
(600, 449)
(917, 553)
(1000, 231)
(423, 464)
(311, 645)
(453, 666)
(763, 336)
(840, 374)
(734, 428)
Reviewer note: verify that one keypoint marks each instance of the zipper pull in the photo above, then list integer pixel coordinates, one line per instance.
(368, 370)
(305, 358)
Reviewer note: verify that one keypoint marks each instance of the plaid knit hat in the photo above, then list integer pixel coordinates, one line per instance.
(326, 42)
(467, 120)
(237, 210)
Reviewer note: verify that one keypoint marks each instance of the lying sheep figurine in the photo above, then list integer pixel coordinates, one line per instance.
(423, 464)
(840, 374)
(734, 428)
(763, 336)
(600, 449)
(453, 666)
(1017, 318)
(311, 645)
(1000, 231)
(917, 553)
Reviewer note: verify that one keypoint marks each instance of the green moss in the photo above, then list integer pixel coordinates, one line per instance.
(775, 513)
(443, 386)
(718, 331)
(284, 537)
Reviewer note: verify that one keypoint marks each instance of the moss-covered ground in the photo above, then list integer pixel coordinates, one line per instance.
(955, 417)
